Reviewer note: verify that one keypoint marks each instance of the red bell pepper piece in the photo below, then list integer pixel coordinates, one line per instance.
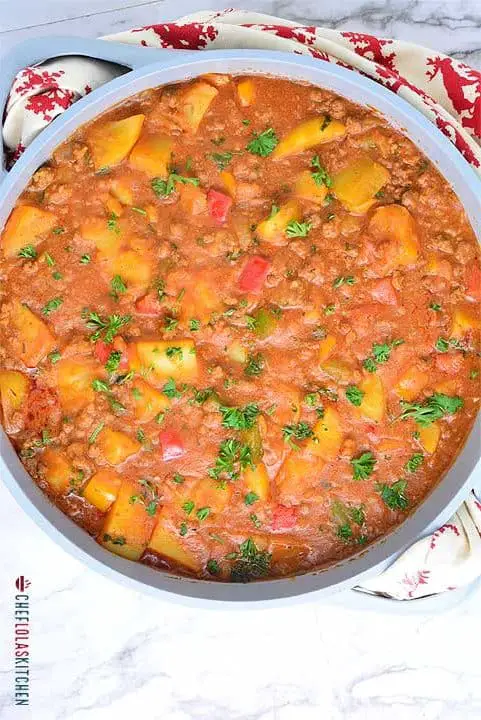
(473, 282)
(172, 444)
(149, 304)
(102, 351)
(254, 274)
(284, 518)
(218, 205)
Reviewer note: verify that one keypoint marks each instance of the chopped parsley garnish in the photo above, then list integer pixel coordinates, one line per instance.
(264, 143)
(54, 357)
(435, 306)
(52, 305)
(58, 230)
(255, 365)
(233, 457)
(138, 210)
(170, 389)
(85, 259)
(343, 280)
(433, 408)
(250, 498)
(354, 395)
(394, 496)
(174, 353)
(441, 345)
(109, 326)
(49, 259)
(203, 513)
(178, 478)
(201, 396)
(329, 309)
(213, 567)
(117, 287)
(100, 386)
(381, 352)
(112, 223)
(221, 159)
(141, 436)
(28, 252)
(194, 325)
(414, 462)
(296, 431)
(325, 122)
(255, 520)
(363, 466)
(238, 418)
(250, 563)
(57, 275)
(170, 323)
(320, 174)
(114, 540)
(344, 532)
(113, 361)
(96, 432)
(164, 188)
(183, 529)
(149, 497)
(298, 229)
(188, 506)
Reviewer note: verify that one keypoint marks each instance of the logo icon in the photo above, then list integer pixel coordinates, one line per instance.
(21, 583)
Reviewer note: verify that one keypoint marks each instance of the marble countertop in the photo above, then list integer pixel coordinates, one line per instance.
(103, 652)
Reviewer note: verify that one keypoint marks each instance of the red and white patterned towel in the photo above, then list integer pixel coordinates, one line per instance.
(445, 90)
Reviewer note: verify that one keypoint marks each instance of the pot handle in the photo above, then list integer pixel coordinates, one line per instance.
(37, 50)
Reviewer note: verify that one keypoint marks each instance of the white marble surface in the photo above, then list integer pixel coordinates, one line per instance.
(102, 652)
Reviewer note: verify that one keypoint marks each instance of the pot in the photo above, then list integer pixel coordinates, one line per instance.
(149, 68)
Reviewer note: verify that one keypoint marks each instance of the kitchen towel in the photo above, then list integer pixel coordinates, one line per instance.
(446, 91)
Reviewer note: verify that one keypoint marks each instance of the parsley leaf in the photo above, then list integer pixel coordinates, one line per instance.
(52, 305)
(251, 563)
(299, 431)
(297, 229)
(343, 280)
(113, 361)
(239, 418)
(394, 496)
(28, 252)
(221, 159)
(319, 174)
(164, 188)
(109, 326)
(117, 286)
(433, 408)
(363, 466)
(255, 365)
(354, 395)
(414, 462)
(232, 458)
(264, 143)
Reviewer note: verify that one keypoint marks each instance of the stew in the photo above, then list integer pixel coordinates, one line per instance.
(239, 327)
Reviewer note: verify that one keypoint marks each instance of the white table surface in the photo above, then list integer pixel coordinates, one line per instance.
(102, 652)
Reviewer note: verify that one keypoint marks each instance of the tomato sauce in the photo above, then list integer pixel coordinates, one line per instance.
(239, 327)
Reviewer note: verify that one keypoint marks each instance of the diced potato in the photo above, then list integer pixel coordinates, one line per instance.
(308, 134)
(116, 446)
(439, 266)
(14, 388)
(390, 446)
(328, 435)
(152, 213)
(128, 527)
(291, 480)
(216, 79)
(307, 189)
(121, 188)
(194, 102)
(373, 404)
(257, 480)
(429, 437)
(273, 228)
(229, 182)
(148, 401)
(326, 347)
(357, 184)
(25, 226)
(134, 269)
(170, 545)
(446, 387)
(32, 333)
(97, 231)
(200, 300)
(152, 155)
(111, 142)
(57, 470)
(395, 224)
(178, 364)
(237, 352)
(463, 322)
(411, 382)
(102, 489)
(193, 200)
(208, 493)
(288, 408)
(337, 369)
(113, 205)
(245, 92)
(74, 379)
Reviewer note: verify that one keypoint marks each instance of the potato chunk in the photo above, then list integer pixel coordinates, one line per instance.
(463, 322)
(357, 184)
(57, 470)
(373, 404)
(25, 226)
(307, 189)
(328, 435)
(74, 378)
(194, 102)
(395, 224)
(33, 335)
(245, 92)
(429, 437)
(148, 401)
(128, 526)
(116, 446)
(168, 359)
(257, 480)
(102, 489)
(411, 382)
(111, 142)
(273, 228)
(152, 154)
(14, 388)
(134, 269)
(308, 134)
(97, 231)
(169, 545)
